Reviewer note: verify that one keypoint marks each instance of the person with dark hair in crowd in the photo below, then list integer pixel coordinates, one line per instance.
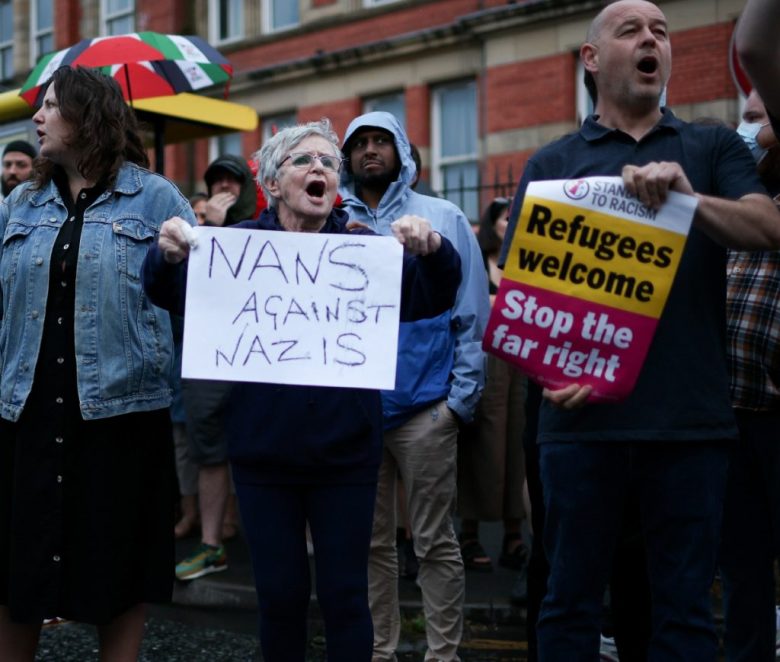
(491, 469)
(198, 203)
(667, 443)
(303, 453)
(232, 198)
(18, 157)
(86, 454)
(418, 184)
(751, 520)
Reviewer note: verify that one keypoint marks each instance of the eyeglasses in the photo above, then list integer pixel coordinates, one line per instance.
(305, 160)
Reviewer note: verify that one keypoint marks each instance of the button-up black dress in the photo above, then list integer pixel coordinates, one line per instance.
(86, 507)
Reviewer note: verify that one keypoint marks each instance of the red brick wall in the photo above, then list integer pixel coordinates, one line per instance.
(700, 65)
(340, 113)
(381, 26)
(418, 115)
(528, 93)
(516, 95)
(250, 141)
(166, 17)
(67, 14)
(322, 3)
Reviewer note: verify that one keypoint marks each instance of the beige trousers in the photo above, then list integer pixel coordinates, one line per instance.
(424, 451)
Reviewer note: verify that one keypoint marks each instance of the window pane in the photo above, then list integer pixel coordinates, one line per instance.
(391, 103)
(113, 6)
(274, 123)
(229, 144)
(7, 62)
(229, 18)
(121, 25)
(458, 108)
(6, 20)
(284, 13)
(461, 186)
(43, 14)
(45, 44)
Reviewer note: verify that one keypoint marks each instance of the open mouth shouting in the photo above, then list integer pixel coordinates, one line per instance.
(316, 189)
(648, 65)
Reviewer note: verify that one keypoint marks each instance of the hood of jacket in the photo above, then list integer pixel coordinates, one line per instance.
(399, 189)
(244, 208)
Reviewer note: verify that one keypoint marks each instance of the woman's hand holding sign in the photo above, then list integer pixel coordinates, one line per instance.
(416, 234)
(176, 239)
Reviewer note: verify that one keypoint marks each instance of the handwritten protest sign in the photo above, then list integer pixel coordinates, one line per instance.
(293, 308)
(585, 282)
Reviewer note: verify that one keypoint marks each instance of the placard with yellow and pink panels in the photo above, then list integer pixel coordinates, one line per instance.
(585, 283)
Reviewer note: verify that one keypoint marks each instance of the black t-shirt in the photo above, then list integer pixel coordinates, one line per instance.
(683, 390)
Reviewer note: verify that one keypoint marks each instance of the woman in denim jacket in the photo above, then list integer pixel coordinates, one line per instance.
(86, 460)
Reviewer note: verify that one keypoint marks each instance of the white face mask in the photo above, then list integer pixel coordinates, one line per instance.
(749, 131)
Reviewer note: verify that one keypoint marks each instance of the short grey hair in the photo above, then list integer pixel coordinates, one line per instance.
(271, 154)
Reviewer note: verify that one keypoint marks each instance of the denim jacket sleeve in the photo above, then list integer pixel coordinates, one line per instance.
(165, 284)
(3, 223)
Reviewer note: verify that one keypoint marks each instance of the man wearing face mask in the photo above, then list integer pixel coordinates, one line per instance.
(751, 524)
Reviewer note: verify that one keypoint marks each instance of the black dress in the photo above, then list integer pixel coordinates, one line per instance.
(86, 507)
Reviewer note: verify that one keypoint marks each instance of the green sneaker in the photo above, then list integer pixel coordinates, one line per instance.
(203, 561)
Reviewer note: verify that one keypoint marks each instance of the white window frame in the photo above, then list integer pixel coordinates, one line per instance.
(214, 24)
(36, 35)
(107, 18)
(268, 26)
(377, 3)
(437, 160)
(7, 50)
(584, 104)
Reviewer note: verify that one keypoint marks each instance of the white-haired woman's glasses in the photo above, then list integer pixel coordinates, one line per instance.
(305, 160)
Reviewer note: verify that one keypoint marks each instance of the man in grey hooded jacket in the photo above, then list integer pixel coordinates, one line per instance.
(439, 379)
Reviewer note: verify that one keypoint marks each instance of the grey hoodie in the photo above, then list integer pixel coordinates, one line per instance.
(442, 357)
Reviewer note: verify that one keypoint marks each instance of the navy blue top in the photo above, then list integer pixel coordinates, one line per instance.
(682, 393)
(311, 434)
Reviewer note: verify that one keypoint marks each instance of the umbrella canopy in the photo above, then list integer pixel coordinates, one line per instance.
(145, 64)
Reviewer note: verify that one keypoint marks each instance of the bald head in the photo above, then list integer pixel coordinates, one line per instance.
(628, 59)
(597, 24)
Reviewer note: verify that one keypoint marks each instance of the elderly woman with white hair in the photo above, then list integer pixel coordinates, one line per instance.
(301, 453)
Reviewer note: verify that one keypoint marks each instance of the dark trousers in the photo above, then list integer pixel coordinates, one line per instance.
(629, 589)
(340, 519)
(680, 489)
(751, 529)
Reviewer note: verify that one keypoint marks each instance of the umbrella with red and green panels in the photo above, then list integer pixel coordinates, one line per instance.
(145, 64)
